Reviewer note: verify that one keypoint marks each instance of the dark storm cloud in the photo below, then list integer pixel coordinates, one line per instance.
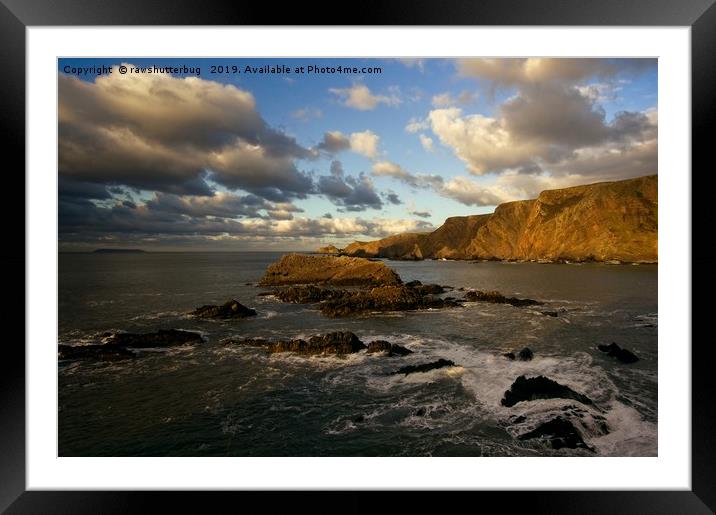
(163, 133)
(349, 192)
(393, 198)
(334, 142)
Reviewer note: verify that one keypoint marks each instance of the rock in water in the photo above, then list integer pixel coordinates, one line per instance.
(333, 270)
(495, 297)
(231, 309)
(615, 351)
(509, 355)
(308, 294)
(107, 352)
(162, 338)
(381, 299)
(525, 354)
(390, 349)
(338, 343)
(540, 387)
(425, 367)
(559, 432)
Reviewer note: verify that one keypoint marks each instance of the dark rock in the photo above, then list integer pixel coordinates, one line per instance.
(425, 367)
(308, 294)
(549, 313)
(162, 338)
(382, 299)
(495, 297)
(617, 352)
(359, 419)
(525, 354)
(420, 412)
(337, 343)
(509, 355)
(230, 309)
(107, 352)
(560, 433)
(430, 289)
(413, 284)
(540, 387)
(391, 349)
(519, 420)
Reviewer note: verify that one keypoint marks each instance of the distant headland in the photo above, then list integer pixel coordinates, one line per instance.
(119, 251)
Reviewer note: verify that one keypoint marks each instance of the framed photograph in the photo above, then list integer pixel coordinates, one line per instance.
(420, 251)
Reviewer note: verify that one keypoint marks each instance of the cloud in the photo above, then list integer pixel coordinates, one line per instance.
(360, 97)
(541, 128)
(421, 214)
(334, 142)
(306, 114)
(166, 133)
(470, 193)
(416, 125)
(390, 169)
(393, 198)
(351, 193)
(412, 62)
(446, 99)
(365, 143)
(534, 70)
(426, 142)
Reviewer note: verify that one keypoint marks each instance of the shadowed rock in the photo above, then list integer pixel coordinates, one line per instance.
(338, 343)
(334, 270)
(425, 367)
(107, 352)
(495, 297)
(308, 294)
(617, 352)
(559, 432)
(231, 309)
(382, 299)
(390, 349)
(540, 387)
(509, 355)
(525, 354)
(162, 338)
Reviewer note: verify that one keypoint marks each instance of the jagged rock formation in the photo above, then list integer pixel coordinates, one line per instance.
(609, 221)
(230, 309)
(333, 270)
(329, 249)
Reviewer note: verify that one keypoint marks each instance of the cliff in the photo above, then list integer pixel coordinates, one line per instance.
(601, 222)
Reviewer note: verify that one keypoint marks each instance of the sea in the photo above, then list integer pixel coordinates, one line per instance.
(226, 400)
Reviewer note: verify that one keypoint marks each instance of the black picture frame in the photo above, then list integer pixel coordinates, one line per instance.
(17, 15)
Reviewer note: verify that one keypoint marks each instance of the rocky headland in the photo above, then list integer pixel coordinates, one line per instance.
(605, 222)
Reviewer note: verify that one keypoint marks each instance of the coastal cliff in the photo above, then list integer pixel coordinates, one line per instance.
(608, 221)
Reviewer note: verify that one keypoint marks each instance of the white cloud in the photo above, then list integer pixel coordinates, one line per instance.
(365, 143)
(426, 142)
(446, 99)
(416, 125)
(360, 97)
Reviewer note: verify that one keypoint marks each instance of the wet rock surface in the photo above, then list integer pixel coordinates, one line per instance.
(495, 297)
(559, 432)
(162, 338)
(228, 310)
(623, 355)
(337, 343)
(540, 387)
(390, 349)
(425, 367)
(382, 299)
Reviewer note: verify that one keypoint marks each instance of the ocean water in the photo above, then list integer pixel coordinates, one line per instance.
(216, 400)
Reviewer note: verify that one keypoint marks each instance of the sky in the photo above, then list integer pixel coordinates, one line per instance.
(231, 155)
